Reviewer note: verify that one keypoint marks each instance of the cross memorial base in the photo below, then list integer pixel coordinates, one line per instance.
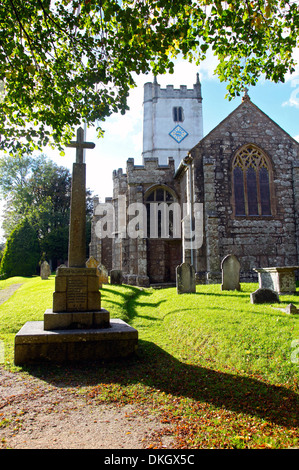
(35, 344)
(77, 328)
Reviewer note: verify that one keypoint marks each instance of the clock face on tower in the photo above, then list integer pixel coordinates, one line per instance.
(178, 134)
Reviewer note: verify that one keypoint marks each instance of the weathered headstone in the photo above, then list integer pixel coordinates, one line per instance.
(185, 278)
(93, 263)
(230, 267)
(264, 296)
(291, 309)
(76, 328)
(116, 276)
(45, 270)
(103, 274)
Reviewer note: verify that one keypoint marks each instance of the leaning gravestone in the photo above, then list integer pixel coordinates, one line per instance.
(264, 296)
(116, 276)
(76, 328)
(230, 267)
(185, 278)
(45, 270)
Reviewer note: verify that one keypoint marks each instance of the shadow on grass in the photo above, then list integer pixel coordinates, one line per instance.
(158, 371)
(129, 301)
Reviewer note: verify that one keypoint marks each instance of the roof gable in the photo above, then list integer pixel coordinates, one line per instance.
(246, 107)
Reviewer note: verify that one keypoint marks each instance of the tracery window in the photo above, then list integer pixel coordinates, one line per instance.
(251, 182)
(162, 214)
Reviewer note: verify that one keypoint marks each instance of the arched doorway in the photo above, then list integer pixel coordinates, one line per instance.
(164, 246)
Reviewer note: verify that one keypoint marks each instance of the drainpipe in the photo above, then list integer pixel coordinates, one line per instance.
(187, 162)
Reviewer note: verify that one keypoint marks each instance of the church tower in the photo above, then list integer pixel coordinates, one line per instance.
(172, 121)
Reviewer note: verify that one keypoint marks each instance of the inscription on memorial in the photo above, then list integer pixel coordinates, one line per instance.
(76, 293)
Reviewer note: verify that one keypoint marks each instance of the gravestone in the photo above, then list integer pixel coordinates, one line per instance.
(103, 274)
(76, 328)
(185, 278)
(264, 296)
(45, 270)
(291, 309)
(230, 267)
(92, 263)
(116, 276)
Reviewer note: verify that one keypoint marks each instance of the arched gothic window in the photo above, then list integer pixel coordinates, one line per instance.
(163, 213)
(251, 170)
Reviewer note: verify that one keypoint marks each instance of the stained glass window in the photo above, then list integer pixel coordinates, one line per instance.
(251, 182)
(252, 191)
(239, 191)
(265, 192)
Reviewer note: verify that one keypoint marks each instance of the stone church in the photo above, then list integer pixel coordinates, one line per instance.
(233, 191)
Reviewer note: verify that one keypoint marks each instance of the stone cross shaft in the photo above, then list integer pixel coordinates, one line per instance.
(77, 231)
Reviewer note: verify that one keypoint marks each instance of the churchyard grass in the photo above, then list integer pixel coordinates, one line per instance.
(219, 371)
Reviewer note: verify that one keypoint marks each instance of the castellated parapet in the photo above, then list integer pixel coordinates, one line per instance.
(154, 91)
(150, 171)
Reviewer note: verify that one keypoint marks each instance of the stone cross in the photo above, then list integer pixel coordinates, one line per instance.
(80, 145)
(77, 232)
(245, 97)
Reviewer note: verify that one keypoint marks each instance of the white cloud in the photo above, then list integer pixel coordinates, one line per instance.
(294, 96)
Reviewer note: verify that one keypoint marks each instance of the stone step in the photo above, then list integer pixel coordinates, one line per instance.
(35, 344)
(75, 320)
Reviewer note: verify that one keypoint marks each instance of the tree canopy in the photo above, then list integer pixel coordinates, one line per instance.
(39, 191)
(22, 252)
(67, 61)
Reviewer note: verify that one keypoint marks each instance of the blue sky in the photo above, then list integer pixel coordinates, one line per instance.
(123, 134)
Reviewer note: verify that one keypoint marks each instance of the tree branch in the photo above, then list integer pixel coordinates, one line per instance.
(24, 31)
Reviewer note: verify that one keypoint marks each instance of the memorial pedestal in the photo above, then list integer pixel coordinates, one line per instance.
(76, 328)
(76, 290)
(280, 279)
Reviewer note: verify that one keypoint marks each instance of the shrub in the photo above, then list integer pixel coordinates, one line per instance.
(22, 252)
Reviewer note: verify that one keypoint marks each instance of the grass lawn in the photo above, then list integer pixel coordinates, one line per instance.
(221, 371)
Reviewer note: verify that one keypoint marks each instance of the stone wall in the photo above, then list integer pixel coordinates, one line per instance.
(256, 241)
